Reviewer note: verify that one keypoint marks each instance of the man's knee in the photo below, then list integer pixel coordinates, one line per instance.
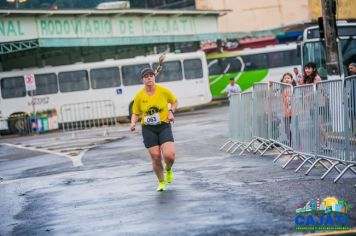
(156, 156)
(170, 156)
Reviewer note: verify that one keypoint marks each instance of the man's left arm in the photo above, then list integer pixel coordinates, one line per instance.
(172, 110)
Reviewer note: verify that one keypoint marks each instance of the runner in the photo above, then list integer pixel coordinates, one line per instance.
(151, 103)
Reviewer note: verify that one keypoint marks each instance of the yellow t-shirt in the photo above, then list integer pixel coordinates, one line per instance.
(153, 109)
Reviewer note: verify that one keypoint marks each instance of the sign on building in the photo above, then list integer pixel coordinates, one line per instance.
(30, 82)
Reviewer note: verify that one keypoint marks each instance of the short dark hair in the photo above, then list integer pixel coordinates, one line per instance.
(311, 65)
(146, 71)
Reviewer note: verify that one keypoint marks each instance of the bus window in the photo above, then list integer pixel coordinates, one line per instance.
(348, 50)
(315, 52)
(13, 87)
(73, 81)
(45, 84)
(255, 62)
(105, 78)
(214, 67)
(193, 69)
(171, 71)
(231, 65)
(131, 75)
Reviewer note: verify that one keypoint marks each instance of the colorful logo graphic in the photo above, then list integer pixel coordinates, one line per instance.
(329, 213)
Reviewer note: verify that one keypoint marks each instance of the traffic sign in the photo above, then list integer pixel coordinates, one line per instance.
(30, 82)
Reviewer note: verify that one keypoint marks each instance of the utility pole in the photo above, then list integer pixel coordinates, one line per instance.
(330, 33)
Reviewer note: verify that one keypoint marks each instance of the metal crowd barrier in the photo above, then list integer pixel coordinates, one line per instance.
(240, 123)
(303, 125)
(280, 115)
(313, 123)
(329, 123)
(339, 127)
(79, 116)
(261, 107)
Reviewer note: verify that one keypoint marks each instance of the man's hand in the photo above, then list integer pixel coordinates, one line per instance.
(132, 126)
(161, 58)
(170, 116)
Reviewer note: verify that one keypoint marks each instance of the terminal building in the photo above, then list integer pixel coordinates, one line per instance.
(39, 38)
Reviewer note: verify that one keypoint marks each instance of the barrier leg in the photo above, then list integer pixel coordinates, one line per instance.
(303, 163)
(329, 170)
(268, 147)
(233, 144)
(222, 147)
(326, 167)
(279, 155)
(248, 145)
(312, 166)
(343, 172)
(258, 148)
(238, 146)
(292, 157)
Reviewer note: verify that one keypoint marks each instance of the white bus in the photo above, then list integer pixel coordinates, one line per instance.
(313, 48)
(116, 81)
(249, 66)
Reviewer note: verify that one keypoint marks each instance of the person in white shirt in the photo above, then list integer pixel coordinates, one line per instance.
(297, 76)
(232, 88)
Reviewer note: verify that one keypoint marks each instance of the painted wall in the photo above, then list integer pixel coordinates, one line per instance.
(345, 9)
(256, 15)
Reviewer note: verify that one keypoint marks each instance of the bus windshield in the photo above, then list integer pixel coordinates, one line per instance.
(313, 49)
(315, 52)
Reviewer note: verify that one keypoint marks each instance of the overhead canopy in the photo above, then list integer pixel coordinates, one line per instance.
(68, 28)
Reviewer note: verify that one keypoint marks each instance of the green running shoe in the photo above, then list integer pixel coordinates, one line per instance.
(161, 186)
(169, 175)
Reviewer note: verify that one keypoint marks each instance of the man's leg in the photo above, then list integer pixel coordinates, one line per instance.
(157, 162)
(168, 153)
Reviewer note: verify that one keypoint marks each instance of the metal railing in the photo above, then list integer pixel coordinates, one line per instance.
(79, 116)
(313, 123)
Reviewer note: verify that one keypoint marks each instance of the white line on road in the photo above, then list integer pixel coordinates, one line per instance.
(76, 160)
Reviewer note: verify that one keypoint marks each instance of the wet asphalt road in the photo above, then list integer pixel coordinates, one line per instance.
(89, 184)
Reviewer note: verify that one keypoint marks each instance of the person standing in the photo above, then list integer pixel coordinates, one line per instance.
(151, 103)
(287, 78)
(232, 88)
(297, 76)
(311, 75)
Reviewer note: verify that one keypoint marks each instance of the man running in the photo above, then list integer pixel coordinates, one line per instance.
(151, 103)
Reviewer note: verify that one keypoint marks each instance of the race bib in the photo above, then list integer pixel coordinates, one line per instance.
(152, 119)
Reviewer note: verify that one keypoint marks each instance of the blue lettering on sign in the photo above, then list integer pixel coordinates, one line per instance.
(119, 91)
(322, 220)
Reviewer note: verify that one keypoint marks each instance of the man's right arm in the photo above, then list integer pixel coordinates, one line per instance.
(227, 91)
(134, 119)
(135, 111)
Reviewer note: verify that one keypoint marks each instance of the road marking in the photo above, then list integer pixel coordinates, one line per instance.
(76, 159)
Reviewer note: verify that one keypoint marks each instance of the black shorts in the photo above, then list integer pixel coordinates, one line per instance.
(154, 135)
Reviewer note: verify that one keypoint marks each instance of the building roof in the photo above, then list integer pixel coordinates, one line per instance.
(97, 12)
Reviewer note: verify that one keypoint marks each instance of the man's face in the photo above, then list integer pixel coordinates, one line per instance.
(232, 82)
(352, 69)
(149, 79)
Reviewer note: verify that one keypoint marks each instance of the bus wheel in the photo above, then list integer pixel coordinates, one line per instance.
(19, 124)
